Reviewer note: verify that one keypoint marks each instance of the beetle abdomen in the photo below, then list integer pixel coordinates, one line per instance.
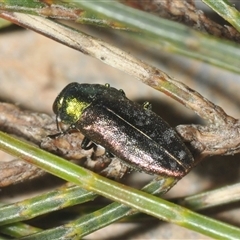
(132, 133)
(137, 136)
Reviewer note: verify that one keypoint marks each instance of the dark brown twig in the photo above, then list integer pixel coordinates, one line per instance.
(203, 141)
(185, 12)
(36, 127)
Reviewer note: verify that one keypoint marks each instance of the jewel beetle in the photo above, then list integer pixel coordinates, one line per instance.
(129, 131)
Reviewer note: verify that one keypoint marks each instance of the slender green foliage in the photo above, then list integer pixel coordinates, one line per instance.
(136, 199)
(163, 34)
(225, 10)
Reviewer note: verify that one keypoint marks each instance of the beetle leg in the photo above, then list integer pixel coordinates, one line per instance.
(62, 132)
(116, 169)
(87, 144)
(53, 136)
(109, 155)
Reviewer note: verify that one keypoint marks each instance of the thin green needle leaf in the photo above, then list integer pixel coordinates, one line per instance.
(119, 59)
(101, 218)
(225, 10)
(160, 32)
(216, 197)
(45, 203)
(116, 211)
(136, 199)
(18, 230)
(176, 37)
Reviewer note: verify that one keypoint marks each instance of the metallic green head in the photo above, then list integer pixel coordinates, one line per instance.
(73, 100)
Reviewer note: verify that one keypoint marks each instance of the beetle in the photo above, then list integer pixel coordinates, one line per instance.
(129, 131)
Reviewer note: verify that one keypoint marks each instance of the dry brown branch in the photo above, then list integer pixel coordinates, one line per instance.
(204, 141)
(185, 12)
(209, 141)
(220, 137)
(36, 127)
(121, 60)
(17, 171)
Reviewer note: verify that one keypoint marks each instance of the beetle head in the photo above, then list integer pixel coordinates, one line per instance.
(72, 101)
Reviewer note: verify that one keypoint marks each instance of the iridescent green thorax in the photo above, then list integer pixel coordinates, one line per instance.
(74, 108)
(74, 99)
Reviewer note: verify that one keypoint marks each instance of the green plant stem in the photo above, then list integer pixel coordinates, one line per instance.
(216, 197)
(100, 218)
(171, 35)
(226, 11)
(115, 211)
(18, 230)
(45, 203)
(166, 34)
(121, 60)
(136, 199)
(60, 198)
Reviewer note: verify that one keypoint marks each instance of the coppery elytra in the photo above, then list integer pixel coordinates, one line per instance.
(129, 131)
